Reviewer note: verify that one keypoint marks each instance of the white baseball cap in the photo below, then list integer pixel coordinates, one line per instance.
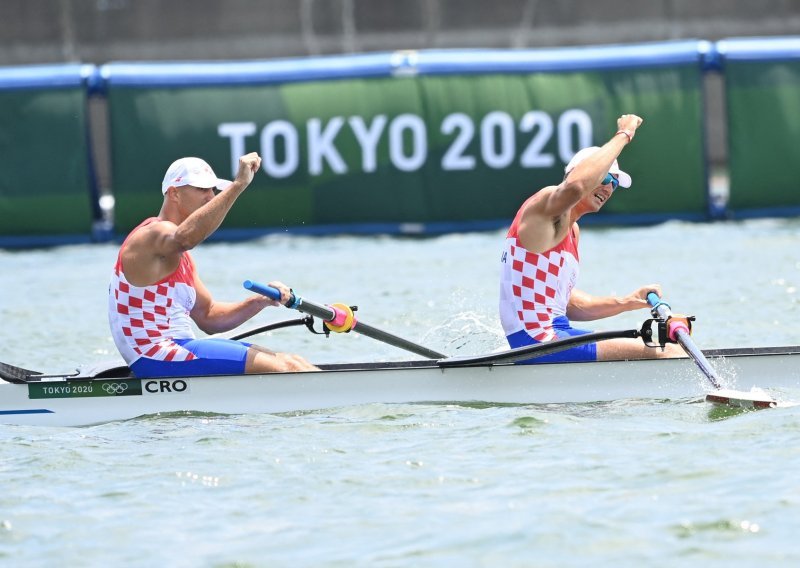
(192, 171)
(624, 179)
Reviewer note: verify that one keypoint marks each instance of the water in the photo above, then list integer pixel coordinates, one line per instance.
(630, 483)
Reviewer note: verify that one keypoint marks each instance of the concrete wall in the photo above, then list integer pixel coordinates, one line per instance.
(97, 31)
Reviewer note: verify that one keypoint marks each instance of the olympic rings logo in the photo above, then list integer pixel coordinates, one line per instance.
(115, 388)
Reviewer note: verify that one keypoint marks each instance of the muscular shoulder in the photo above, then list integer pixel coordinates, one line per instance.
(539, 228)
(147, 253)
(151, 230)
(152, 238)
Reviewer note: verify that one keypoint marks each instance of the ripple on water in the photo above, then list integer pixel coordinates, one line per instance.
(628, 483)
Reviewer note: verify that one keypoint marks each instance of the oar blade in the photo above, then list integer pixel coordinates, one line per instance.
(756, 399)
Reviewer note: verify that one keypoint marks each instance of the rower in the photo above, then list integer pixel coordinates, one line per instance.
(156, 290)
(539, 264)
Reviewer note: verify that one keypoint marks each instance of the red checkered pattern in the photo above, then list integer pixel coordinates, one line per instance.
(535, 287)
(535, 283)
(145, 320)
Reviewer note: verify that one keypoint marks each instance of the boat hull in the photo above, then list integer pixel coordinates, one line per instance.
(76, 401)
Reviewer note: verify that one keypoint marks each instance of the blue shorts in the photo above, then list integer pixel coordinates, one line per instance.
(562, 329)
(214, 357)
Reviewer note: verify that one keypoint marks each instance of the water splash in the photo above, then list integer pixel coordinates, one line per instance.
(467, 333)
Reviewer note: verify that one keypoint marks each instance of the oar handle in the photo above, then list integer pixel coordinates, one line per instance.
(269, 292)
(676, 327)
(658, 304)
(679, 331)
(325, 313)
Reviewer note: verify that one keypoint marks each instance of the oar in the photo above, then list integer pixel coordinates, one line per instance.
(540, 349)
(12, 374)
(341, 318)
(679, 331)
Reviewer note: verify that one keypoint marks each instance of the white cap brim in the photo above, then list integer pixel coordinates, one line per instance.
(223, 184)
(624, 178)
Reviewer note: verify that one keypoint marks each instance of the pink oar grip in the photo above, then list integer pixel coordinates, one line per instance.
(341, 317)
(675, 327)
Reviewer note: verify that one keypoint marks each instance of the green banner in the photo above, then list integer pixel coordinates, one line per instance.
(44, 189)
(412, 149)
(763, 98)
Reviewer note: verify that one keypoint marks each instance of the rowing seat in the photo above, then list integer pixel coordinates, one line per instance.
(108, 370)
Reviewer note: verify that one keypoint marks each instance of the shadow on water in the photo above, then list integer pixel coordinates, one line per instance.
(718, 412)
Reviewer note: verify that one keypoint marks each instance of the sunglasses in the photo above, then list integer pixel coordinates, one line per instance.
(612, 180)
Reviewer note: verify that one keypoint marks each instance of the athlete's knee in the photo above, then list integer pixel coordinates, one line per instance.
(268, 361)
(296, 363)
(289, 363)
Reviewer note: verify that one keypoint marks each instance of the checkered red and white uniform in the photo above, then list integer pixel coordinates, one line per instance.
(535, 287)
(145, 320)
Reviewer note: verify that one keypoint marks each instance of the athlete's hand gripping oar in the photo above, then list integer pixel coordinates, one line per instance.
(340, 318)
(678, 330)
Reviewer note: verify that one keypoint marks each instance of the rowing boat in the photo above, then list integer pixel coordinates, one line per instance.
(108, 394)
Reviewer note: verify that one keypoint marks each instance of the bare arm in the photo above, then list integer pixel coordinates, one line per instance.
(216, 317)
(154, 251)
(552, 205)
(585, 307)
